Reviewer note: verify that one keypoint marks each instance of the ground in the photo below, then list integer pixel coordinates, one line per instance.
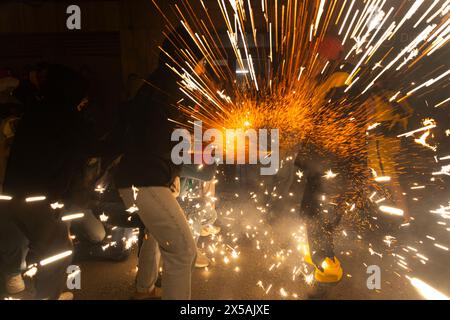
(106, 280)
(259, 267)
(253, 260)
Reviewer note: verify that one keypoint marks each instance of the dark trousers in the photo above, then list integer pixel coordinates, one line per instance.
(47, 236)
(323, 202)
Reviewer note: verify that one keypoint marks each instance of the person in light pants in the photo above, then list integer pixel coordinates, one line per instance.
(144, 178)
(167, 236)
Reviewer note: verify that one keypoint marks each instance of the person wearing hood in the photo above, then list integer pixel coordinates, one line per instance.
(145, 175)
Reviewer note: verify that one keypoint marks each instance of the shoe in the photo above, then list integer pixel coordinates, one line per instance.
(209, 230)
(330, 272)
(202, 260)
(154, 294)
(66, 296)
(15, 284)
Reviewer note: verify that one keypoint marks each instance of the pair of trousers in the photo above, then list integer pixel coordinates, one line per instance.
(47, 236)
(323, 202)
(168, 237)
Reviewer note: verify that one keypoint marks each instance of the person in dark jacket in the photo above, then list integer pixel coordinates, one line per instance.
(47, 154)
(144, 177)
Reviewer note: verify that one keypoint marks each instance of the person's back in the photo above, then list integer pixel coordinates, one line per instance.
(148, 146)
(144, 177)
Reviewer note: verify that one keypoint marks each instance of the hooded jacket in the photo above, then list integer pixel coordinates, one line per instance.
(147, 146)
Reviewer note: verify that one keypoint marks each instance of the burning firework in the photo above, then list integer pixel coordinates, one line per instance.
(333, 73)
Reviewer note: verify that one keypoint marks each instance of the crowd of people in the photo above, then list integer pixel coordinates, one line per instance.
(51, 164)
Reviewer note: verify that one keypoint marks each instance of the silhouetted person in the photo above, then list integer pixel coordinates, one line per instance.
(48, 151)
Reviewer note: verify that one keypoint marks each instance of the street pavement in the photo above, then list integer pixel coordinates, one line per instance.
(268, 257)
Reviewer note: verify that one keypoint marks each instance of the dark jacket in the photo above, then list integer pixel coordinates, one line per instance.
(146, 158)
(49, 148)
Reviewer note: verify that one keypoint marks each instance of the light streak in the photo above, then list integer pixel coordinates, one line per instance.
(383, 179)
(392, 211)
(71, 217)
(408, 134)
(55, 258)
(35, 199)
(445, 170)
(429, 82)
(440, 246)
(346, 17)
(426, 13)
(442, 103)
(427, 291)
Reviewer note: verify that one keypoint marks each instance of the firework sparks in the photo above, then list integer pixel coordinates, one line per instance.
(426, 290)
(73, 216)
(55, 258)
(278, 80)
(392, 211)
(35, 199)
